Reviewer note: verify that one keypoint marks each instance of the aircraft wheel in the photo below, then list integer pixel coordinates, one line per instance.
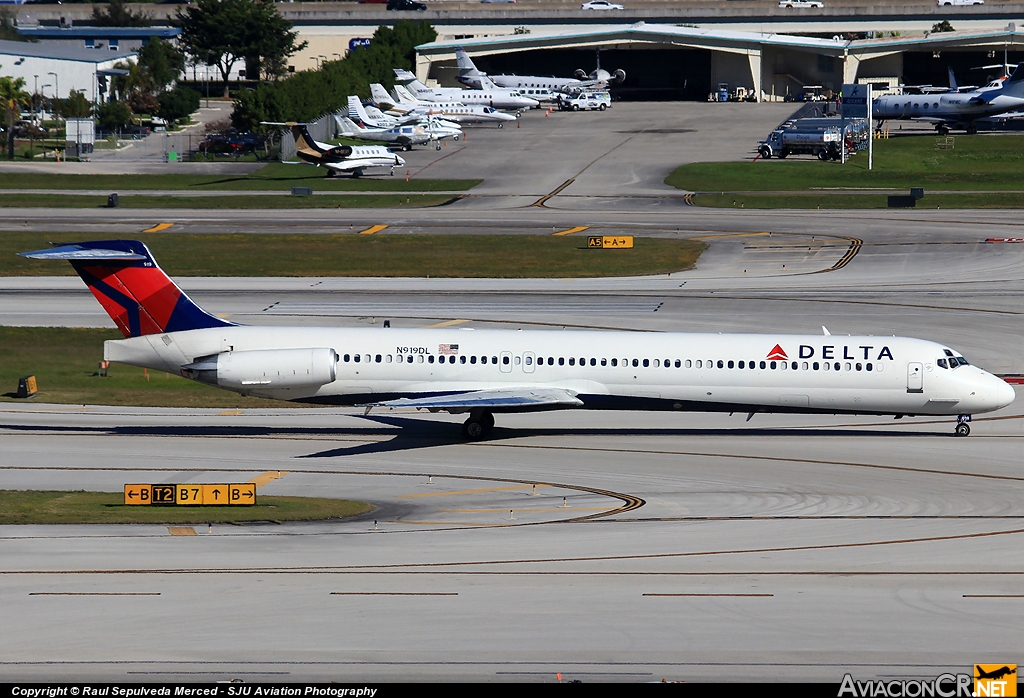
(972, 129)
(456, 138)
(501, 125)
(356, 174)
(437, 147)
(407, 147)
(963, 429)
(473, 429)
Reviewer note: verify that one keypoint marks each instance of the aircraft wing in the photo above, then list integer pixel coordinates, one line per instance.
(496, 398)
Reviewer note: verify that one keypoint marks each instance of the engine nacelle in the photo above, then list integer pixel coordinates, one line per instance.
(619, 75)
(581, 74)
(265, 369)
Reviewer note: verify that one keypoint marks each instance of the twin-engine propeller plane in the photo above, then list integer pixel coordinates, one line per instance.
(485, 372)
(348, 159)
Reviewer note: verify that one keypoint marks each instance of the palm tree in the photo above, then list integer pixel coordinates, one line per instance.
(13, 97)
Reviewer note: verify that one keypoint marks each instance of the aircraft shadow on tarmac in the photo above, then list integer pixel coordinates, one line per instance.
(413, 434)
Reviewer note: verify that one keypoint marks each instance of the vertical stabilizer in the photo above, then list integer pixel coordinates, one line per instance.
(136, 293)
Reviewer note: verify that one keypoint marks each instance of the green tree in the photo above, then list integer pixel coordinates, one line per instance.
(222, 32)
(178, 103)
(310, 93)
(76, 106)
(9, 25)
(943, 26)
(113, 115)
(13, 97)
(162, 61)
(117, 15)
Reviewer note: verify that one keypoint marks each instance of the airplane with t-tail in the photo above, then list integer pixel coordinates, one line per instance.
(481, 373)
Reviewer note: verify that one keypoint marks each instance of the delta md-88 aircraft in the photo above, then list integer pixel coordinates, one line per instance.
(484, 372)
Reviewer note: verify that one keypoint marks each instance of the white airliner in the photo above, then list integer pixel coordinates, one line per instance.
(955, 109)
(497, 97)
(484, 372)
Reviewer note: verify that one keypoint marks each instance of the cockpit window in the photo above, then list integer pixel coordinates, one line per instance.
(941, 363)
(961, 360)
(947, 352)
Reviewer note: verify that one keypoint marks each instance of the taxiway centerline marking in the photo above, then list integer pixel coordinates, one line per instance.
(485, 489)
(570, 231)
(158, 227)
(373, 229)
(267, 477)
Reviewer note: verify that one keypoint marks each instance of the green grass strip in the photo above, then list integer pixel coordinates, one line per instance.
(410, 200)
(65, 363)
(855, 201)
(463, 256)
(49, 507)
(274, 176)
(975, 163)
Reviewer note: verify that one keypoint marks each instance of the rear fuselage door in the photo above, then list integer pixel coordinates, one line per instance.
(915, 377)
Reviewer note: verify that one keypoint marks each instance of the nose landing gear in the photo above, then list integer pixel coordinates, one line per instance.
(963, 426)
(478, 425)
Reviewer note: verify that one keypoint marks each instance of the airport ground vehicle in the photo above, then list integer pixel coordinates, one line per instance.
(485, 372)
(586, 100)
(782, 142)
(801, 3)
(940, 3)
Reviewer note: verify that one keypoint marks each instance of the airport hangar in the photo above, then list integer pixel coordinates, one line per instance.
(664, 62)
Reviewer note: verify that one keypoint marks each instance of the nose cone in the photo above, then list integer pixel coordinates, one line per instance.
(1004, 393)
(994, 393)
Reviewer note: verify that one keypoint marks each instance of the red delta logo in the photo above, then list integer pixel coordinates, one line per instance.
(777, 354)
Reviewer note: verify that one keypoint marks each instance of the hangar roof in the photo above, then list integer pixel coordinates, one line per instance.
(59, 52)
(720, 39)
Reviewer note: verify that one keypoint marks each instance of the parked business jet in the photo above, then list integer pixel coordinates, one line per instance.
(350, 159)
(497, 97)
(404, 136)
(456, 112)
(955, 109)
(545, 88)
(485, 372)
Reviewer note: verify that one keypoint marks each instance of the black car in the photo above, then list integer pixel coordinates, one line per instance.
(406, 5)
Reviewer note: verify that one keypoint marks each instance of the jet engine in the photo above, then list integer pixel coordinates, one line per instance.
(265, 369)
(619, 75)
(581, 74)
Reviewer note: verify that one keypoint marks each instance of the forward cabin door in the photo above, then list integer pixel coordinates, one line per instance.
(915, 377)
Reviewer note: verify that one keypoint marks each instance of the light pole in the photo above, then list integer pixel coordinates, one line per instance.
(56, 89)
(35, 94)
(317, 59)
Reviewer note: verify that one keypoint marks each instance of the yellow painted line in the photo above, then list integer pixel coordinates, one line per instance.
(229, 413)
(486, 489)
(182, 531)
(570, 231)
(267, 477)
(730, 235)
(223, 316)
(372, 230)
(518, 511)
(488, 524)
(158, 227)
(446, 323)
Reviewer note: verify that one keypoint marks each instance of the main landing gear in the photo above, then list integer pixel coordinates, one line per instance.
(963, 425)
(478, 425)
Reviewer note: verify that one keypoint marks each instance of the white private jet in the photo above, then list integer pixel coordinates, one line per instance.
(346, 159)
(404, 136)
(497, 97)
(485, 372)
(363, 116)
(449, 111)
(955, 109)
(543, 88)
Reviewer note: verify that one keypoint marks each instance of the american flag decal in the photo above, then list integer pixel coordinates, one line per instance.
(447, 348)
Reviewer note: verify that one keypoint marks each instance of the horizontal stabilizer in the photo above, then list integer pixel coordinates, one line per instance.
(489, 399)
(77, 252)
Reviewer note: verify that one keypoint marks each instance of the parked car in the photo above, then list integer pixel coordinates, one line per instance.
(406, 5)
(801, 3)
(600, 5)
